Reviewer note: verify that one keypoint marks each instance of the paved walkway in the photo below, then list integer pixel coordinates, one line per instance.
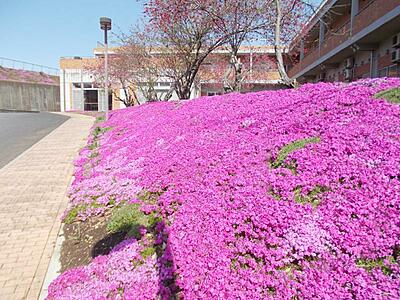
(32, 199)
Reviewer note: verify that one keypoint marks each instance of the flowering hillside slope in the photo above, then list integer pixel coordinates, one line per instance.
(291, 194)
(8, 74)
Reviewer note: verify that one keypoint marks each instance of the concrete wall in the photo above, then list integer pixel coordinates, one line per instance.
(29, 96)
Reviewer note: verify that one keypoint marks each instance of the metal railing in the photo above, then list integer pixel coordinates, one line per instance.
(23, 65)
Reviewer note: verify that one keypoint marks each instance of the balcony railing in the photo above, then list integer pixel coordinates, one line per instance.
(369, 14)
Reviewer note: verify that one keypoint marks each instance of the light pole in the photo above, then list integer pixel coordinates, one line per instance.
(105, 24)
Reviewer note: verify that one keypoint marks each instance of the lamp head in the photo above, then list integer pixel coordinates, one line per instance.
(105, 23)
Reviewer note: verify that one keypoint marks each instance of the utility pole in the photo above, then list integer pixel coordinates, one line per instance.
(105, 24)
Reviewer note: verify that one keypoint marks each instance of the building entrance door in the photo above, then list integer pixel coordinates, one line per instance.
(91, 100)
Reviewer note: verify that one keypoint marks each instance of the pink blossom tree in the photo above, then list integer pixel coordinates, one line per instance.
(133, 69)
(241, 22)
(188, 31)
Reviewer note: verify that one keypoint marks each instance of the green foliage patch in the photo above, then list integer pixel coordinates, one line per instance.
(127, 218)
(149, 197)
(370, 264)
(100, 119)
(149, 251)
(73, 212)
(98, 131)
(391, 95)
(289, 148)
(313, 197)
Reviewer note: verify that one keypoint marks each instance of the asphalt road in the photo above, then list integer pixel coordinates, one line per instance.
(19, 131)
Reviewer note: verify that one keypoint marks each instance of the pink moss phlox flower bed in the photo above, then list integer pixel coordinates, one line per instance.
(8, 74)
(107, 275)
(290, 194)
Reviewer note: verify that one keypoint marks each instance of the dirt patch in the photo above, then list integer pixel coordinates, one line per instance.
(86, 240)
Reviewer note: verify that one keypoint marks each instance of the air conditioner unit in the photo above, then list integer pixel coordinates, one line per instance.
(349, 63)
(347, 74)
(396, 55)
(396, 41)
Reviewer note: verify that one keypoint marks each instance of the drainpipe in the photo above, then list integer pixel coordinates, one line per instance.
(373, 72)
(321, 35)
(354, 11)
(251, 61)
(64, 93)
(82, 92)
(301, 49)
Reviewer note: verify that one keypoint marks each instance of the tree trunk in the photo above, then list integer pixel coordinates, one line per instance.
(168, 95)
(278, 49)
(225, 81)
(184, 92)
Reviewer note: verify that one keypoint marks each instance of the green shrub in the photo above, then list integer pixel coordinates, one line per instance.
(392, 95)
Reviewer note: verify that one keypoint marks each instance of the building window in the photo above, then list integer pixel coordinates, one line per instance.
(393, 71)
(366, 75)
(85, 85)
(213, 93)
(382, 72)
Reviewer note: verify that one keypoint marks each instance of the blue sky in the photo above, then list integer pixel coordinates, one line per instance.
(41, 31)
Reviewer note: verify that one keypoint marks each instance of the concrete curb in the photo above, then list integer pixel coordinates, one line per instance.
(53, 270)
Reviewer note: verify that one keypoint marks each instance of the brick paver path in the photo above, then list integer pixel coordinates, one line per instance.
(32, 198)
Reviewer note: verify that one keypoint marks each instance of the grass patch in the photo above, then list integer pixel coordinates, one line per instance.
(126, 218)
(93, 146)
(73, 213)
(370, 264)
(98, 131)
(149, 197)
(100, 119)
(290, 268)
(129, 218)
(274, 194)
(312, 197)
(392, 95)
(289, 148)
(146, 252)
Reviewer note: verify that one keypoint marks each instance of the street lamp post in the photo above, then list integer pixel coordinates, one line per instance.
(105, 24)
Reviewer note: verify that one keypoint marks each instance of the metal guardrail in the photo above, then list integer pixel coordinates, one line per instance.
(23, 65)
